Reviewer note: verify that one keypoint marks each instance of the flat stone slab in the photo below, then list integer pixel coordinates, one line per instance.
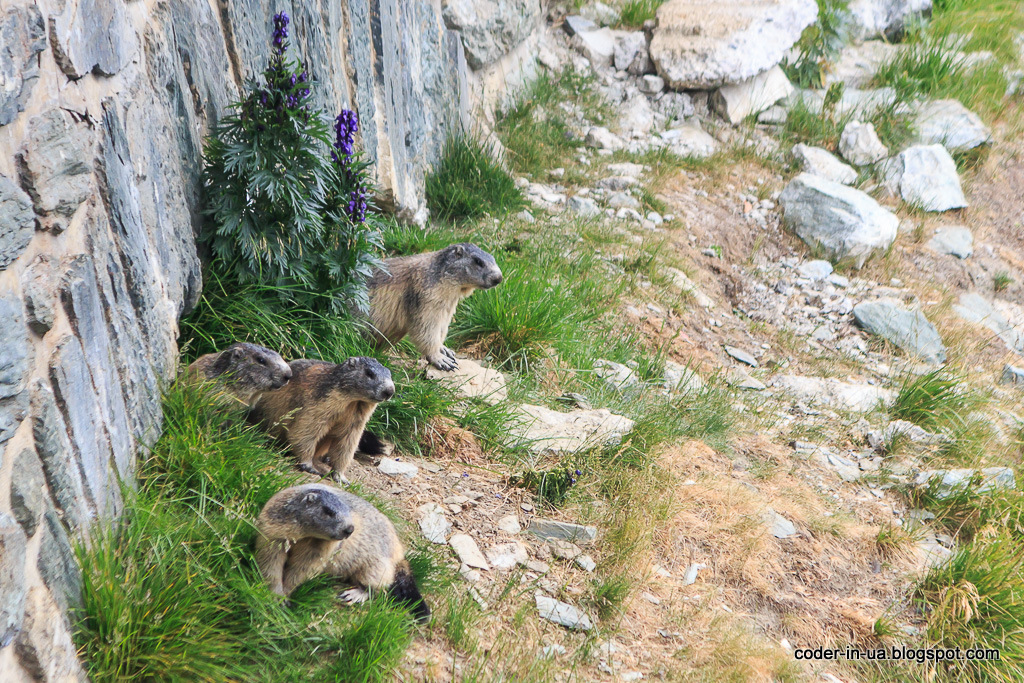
(1000, 317)
(472, 380)
(742, 356)
(946, 483)
(397, 468)
(551, 529)
(465, 547)
(562, 613)
(433, 523)
(505, 556)
(955, 240)
(908, 329)
(950, 124)
(703, 45)
(543, 430)
(858, 398)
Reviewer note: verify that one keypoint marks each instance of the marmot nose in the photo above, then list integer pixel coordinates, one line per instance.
(387, 392)
(347, 531)
(497, 279)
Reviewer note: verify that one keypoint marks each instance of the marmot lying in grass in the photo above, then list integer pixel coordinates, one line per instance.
(322, 411)
(244, 371)
(417, 296)
(313, 529)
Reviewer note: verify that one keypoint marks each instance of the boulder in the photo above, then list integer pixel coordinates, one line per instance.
(908, 329)
(845, 223)
(471, 380)
(598, 46)
(543, 430)
(602, 138)
(687, 139)
(950, 124)
(490, 29)
(859, 144)
(824, 164)
(925, 176)
(22, 37)
(955, 240)
(737, 101)
(703, 45)
(17, 221)
(888, 18)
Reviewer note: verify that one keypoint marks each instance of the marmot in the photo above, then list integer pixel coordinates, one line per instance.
(321, 412)
(417, 295)
(244, 371)
(313, 529)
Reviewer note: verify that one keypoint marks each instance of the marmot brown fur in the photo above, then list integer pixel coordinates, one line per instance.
(321, 412)
(314, 529)
(417, 296)
(244, 371)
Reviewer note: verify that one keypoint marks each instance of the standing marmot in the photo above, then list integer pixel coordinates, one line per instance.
(418, 296)
(321, 412)
(243, 370)
(313, 529)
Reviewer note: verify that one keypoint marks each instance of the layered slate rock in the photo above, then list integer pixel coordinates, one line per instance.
(703, 44)
(12, 577)
(17, 221)
(490, 29)
(846, 223)
(925, 176)
(908, 329)
(950, 124)
(22, 37)
(56, 166)
(93, 36)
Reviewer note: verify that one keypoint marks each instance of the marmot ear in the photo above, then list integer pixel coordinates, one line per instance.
(349, 363)
(311, 497)
(458, 251)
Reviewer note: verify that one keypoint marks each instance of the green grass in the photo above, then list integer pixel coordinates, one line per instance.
(933, 400)
(468, 183)
(172, 592)
(1001, 280)
(635, 12)
(610, 594)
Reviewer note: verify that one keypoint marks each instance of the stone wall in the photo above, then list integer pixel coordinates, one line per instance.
(103, 108)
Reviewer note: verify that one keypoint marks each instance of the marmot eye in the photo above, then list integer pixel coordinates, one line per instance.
(329, 512)
(370, 374)
(261, 360)
(478, 261)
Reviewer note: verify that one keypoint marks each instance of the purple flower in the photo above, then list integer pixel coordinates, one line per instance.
(280, 31)
(345, 127)
(357, 205)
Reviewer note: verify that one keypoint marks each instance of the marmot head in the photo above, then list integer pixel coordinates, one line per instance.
(252, 366)
(468, 265)
(365, 377)
(317, 512)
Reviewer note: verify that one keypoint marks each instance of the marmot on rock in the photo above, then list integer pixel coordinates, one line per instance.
(312, 529)
(417, 296)
(244, 371)
(322, 411)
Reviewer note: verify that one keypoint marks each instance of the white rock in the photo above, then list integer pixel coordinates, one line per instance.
(472, 380)
(651, 84)
(562, 613)
(679, 378)
(553, 530)
(575, 24)
(845, 223)
(598, 46)
(549, 651)
(688, 139)
(600, 13)
(636, 117)
(737, 101)
(950, 124)
(859, 144)
(621, 200)
(631, 53)
(510, 524)
(506, 556)
(490, 29)
(465, 547)
(955, 240)
(874, 18)
(1000, 317)
(690, 576)
(615, 375)
(543, 430)
(779, 526)
(617, 183)
(586, 563)
(946, 483)
(703, 45)
(833, 392)
(583, 206)
(814, 270)
(858, 63)
(602, 138)
(925, 176)
(397, 468)
(741, 379)
(687, 286)
(821, 162)
(627, 169)
(434, 525)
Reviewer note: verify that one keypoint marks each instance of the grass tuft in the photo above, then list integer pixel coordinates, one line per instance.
(469, 183)
(933, 400)
(635, 12)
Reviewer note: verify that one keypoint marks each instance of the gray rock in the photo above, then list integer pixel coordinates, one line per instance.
(615, 375)
(737, 101)
(471, 380)
(703, 46)
(742, 356)
(651, 84)
(433, 523)
(15, 352)
(57, 564)
(22, 37)
(55, 166)
(551, 529)
(907, 329)
(925, 176)
(93, 36)
(17, 222)
(598, 46)
(583, 206)
(690, 576)
(875, 18)
(575, 24)
(779, 526)
(586, 563)
(602, 138)
(821, 162)
(946, 483)
(845, 223)
(617, 183)
(636, 118)
(38, 287)
(677, 106)
(847, 396)
(505, 556)
(687, 139)
(775, 116)
(631, 53)
(394, 467)
(12, 577)
(490, 29)
(543, 430)
(620, 200)
(28, 491)
(469, 554)
(950, 124)
(741, 379)
(510, 524)
(976, 309)
(858, 63)
(854, 102)
(680, 378)
(1012, 375)
(955, 240)
(814, 270)
(859, 144)
(562, 613)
